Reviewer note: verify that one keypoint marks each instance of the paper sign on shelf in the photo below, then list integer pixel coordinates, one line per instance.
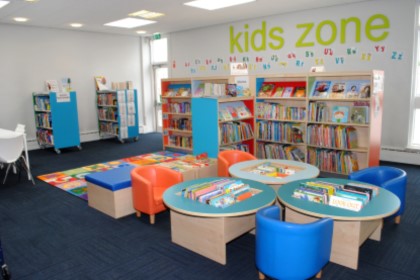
(63, 96)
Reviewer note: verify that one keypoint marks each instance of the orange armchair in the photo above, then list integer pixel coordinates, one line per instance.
(226, 158)
(148, 185)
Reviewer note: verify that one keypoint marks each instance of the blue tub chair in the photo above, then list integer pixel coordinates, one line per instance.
(291, 251)
(387, 177)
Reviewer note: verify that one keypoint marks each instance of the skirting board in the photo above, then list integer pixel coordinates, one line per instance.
(395, 155)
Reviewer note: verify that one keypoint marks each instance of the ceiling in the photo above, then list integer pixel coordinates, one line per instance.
(95, 13)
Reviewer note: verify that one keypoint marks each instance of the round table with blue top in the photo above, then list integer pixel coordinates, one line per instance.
(205, 229)
(351, 228)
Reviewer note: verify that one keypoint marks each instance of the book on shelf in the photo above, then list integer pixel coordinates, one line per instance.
(100, 82)
(365, 89)
(278, 91)
(231, 90)
(321, 89)
(243, 111)
(52, 85)
(340, 114)
(288, 92)
(359, 114)
(338, 89)
(300, 92)
(266, 90)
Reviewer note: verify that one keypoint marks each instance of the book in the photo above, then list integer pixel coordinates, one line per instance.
(321, 89)
(231, 90)
(278, 92)
(288, 92)
(340, 114)
(359, 114)
(52, 85)
(100, 82)
(266, 90)
(338, 89)
(364, 90)
(300, 92)
(352, 89)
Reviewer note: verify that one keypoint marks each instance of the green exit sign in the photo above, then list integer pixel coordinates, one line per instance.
(156, 36)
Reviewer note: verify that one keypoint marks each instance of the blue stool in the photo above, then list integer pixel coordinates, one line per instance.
(110, 191)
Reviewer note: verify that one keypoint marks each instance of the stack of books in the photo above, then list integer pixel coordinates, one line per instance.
(351, 196)
(219, 193)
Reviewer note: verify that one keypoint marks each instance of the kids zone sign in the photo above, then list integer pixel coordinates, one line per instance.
(348, 30)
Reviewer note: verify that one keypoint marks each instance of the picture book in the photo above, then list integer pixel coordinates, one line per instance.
(338, 89)
(288, 92)
(278, 92)
(365, 90)
(352, 89)
(340, 114)
(243, 111)
(231, 90)
(266, 90)
(100, 83)
(359, 114)
(321, 89)
(199, 91)
(300, 92)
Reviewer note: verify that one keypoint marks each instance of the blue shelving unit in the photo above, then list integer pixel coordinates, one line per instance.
(56, 120)
(118, 114)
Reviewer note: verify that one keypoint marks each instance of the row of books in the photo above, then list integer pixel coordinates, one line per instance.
(179, 107)
(233, 111)
(269, 169)
(335, 136)
(108, 128)
(351, 196)
(342, 162)
(279, 131)
(341, 89)
(320, 112)
(273, 89)
(180, 141)
(107, 99)
(182, 91)
(279, 151)
(219, 193)
(108, 114)
(43, 120)
(44, 137)
(42, 103)
(240, 147)
(232, 132)
(279, 111)
(181, 124)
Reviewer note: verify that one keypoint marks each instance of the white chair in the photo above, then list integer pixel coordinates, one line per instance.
(11, 154)
(20, 128)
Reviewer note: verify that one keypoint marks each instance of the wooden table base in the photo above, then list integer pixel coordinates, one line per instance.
(348, 236)
(208, 236)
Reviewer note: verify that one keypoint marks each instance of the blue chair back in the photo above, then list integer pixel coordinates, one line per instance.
(387, 177)
(291, 251)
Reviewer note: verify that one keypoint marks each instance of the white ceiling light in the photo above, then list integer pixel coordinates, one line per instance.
(141, 32)
(3, 3)
(20, 19)
(129, 22)
(216, 4)
(76, 25)
(146, 14)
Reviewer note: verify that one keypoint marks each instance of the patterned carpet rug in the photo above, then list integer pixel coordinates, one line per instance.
(73, 180)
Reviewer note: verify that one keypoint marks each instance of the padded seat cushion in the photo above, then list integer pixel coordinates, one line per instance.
(113, 180)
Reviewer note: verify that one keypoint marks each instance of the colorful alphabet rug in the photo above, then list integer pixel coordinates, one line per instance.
(73, 180)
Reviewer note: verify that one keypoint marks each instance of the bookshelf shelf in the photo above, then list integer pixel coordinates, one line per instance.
(56, 120)
(176, 114)
(117, 114)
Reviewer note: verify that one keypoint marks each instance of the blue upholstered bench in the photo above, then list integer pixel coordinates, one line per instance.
(110, 191)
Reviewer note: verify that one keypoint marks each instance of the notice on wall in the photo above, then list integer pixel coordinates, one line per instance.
(63, 96)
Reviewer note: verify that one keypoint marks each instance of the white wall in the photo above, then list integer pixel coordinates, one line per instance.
(30, 55)
(205, 52)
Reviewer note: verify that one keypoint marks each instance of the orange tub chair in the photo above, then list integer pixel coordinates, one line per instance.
(148, 185)
(226, 158)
